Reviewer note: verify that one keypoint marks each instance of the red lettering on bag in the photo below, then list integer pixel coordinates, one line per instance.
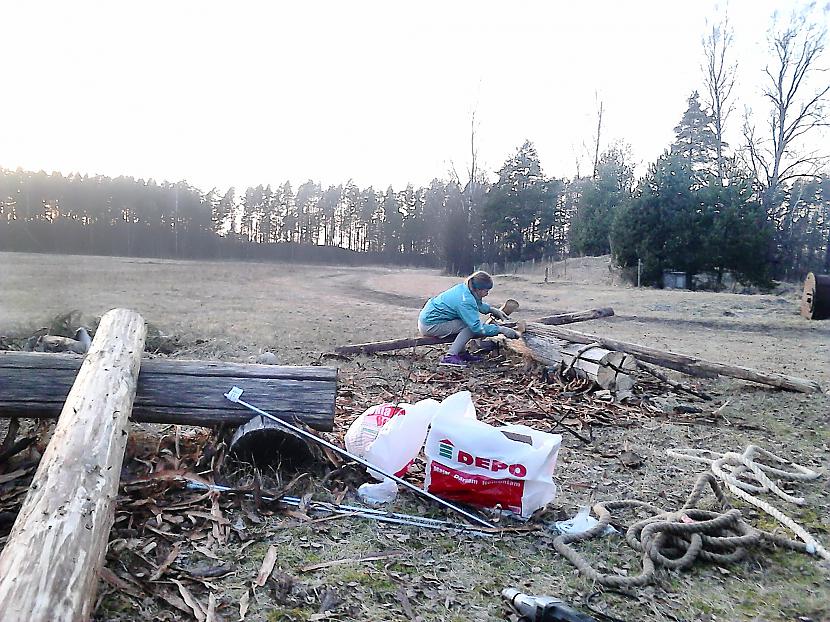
(482, 463)
(498, 466)
(464, 457)
(517, 470)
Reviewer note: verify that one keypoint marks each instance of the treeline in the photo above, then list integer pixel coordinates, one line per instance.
(759, 210)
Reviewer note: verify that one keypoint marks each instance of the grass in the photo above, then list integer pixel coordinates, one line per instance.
(233, 311)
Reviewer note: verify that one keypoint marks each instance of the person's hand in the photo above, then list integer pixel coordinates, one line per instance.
(498, 313)
(509, 332)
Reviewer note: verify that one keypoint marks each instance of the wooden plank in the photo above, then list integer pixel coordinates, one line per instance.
(50, 565)
(34, 388)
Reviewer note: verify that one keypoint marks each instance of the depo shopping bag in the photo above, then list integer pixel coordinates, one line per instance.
(473, 462)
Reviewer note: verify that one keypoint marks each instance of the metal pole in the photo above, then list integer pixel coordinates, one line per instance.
(639, 270)
(235, 393)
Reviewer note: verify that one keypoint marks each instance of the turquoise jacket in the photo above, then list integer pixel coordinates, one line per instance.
(458, 303)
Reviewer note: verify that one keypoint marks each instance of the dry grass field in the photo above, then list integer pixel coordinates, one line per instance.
(235, 311)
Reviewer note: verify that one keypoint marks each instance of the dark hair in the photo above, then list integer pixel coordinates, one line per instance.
(479, 280)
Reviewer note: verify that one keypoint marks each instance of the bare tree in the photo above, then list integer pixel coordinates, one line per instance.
(797, 108)
(719, 80)
(597, 137)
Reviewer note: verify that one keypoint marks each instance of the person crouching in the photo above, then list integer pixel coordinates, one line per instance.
(456, 312)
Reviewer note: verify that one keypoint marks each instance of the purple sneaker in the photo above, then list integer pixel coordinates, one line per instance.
(453, 360)
(470, 358)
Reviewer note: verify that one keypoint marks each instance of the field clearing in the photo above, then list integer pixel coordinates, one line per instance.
(233, 311)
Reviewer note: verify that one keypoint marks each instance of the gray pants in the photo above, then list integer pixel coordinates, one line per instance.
(444, 329)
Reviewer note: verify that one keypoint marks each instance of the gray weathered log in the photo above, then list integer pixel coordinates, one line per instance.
(576, 316)
(175, 391)
(685, 363)
(399, 344)
(50, 565)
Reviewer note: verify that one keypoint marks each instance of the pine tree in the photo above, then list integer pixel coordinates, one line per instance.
(599, 200)
(695, 138)
(514, 204)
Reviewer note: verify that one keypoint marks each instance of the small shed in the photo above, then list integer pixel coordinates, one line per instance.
(674, 280)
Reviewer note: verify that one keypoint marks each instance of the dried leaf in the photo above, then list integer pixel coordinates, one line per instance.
(172, 599)
(171, 557)
(118, 583)
(206, 552)
(191, 601)
(210, 616)
(243, 605)
(8, 477)
(267, 566)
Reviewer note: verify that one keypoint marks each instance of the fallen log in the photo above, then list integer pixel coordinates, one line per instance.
(682, 362)
(49, 567)
(372, 347)
(576, 316)
(176, 391)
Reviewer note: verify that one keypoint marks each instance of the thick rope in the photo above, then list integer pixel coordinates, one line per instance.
(731, 467)
(675, 539)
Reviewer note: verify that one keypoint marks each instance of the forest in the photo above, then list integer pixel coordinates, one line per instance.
(758, 211)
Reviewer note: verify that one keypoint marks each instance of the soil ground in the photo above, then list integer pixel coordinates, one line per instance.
(235, 311)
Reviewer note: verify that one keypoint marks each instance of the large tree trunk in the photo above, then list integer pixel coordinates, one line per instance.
(49, 567)
(684, 363)
(175, 391)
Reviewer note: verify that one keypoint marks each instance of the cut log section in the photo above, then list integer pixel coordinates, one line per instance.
(263, 442)
(50, 564)
(399, 344)
(815, 301)
(175, 391)
(608, 369)
(682, 362)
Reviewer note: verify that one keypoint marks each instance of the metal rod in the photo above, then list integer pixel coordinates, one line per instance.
(353, 510)
(235, 393)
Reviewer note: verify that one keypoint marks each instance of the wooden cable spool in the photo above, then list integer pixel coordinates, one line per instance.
(815, 301)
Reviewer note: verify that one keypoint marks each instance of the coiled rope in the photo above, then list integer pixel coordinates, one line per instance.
(678, 539)
(734, 469)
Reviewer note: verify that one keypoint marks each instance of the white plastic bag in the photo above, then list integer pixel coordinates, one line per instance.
(366, 427)
(375, 494)
(391, 436)
(476, 463)
(582, 522)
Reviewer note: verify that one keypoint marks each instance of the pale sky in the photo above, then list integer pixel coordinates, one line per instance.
(243, 93)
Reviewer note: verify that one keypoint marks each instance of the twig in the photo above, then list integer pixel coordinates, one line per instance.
(675, 385)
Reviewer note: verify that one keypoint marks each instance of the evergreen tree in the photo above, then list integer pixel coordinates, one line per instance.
(513, 205)
(599, 200)
(661, 225)
(737, 234)
(695, 138)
